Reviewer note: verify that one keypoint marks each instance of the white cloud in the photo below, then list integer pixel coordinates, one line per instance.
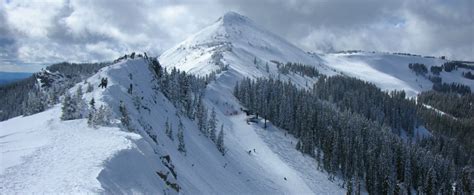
(49, 31)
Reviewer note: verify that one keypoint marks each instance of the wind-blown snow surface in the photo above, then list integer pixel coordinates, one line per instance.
(42, 154)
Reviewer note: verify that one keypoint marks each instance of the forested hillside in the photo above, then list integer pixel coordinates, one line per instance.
(43, 89)
(352, 129)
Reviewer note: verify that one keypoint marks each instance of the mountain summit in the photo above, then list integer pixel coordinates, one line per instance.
(237, 41)
(232, 18)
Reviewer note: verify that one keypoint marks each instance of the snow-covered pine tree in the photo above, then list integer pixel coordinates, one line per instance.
(220, 141)
(181, 146)
(125, 119)
(102, 116)
(167, 127)
(170, 132)
(130, 89)
(92, 112)
(34, 103)
(212, 126)
(81, 105)
(90, 88)
(201, 116)
(69, 108)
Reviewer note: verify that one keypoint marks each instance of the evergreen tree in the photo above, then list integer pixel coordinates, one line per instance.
(130, 89)
(212, 126)
(167, 126)
(170, 132)
(69, 108)
(102, 116)
(467, 180)
(92, 112)
(201, 116)
(220, 141)
(81, 105)
(181, 146)
(35, 103)
(168, 129)
(125, 119)
(90, 88)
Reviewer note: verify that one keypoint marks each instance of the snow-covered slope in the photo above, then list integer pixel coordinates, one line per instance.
(235, 47)
(42, 154)
(391, 71)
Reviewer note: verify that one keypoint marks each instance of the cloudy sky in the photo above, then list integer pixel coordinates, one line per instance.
(34, 33)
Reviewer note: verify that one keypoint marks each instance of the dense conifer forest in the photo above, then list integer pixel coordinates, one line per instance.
(365, 136)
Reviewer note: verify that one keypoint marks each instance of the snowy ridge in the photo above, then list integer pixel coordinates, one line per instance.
(113, 161)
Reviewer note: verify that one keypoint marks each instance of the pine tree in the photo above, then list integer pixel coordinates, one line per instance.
(212, 126)
(69, 108)
(35, 103)
(170, 133)
(220, 141)
(181, 146)
(90, 88)
(466, 180)
(167, 127)
(130, 89)
(125, 119)
(102, 116)
(201, 115)
(92, 113)
(81, 105)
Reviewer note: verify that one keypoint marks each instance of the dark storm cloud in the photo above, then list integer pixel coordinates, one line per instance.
(33, 32)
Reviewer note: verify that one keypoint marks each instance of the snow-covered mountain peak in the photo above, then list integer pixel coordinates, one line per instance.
(233, 18)
(237, 41)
